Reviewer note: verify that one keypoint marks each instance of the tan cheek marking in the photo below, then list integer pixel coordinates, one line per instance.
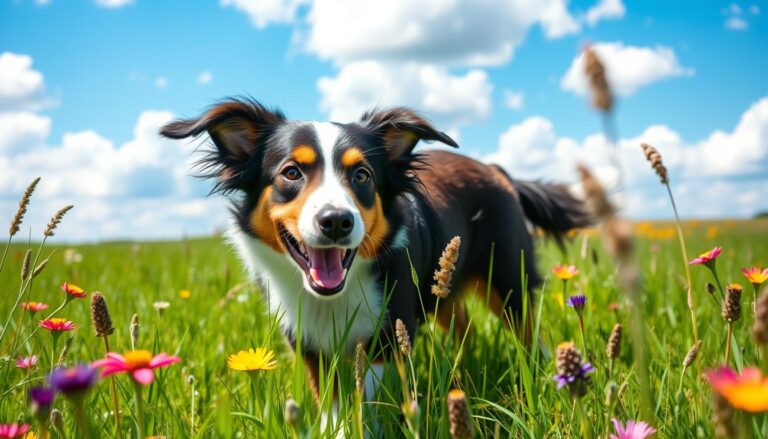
(262, 225)
(351, 157)
(304, 154)
(376, 228)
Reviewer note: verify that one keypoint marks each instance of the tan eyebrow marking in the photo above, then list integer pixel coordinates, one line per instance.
(304, 154)
(351, 157)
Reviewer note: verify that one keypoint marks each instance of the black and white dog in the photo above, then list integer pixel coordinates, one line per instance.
(327, 213)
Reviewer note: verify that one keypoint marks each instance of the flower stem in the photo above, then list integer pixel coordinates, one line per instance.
(118, 433)
(55, 342)
(728, 343)
(713, 269)
(583, 335)
(82, 419)
(139, 405)
(689, 281)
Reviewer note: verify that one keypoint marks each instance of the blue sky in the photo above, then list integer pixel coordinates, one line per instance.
(85, 83)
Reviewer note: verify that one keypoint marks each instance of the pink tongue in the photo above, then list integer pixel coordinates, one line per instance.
(325, 266)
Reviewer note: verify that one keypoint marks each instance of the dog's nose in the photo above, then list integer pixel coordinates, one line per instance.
(335, 223)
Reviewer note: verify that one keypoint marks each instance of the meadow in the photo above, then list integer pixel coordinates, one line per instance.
(211, 312)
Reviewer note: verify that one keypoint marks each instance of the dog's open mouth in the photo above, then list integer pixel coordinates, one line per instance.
(324, 268)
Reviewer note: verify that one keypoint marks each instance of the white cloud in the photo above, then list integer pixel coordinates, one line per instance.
(473, 33)
(514, 99)
(21, 87)
(204, 77)
(736, 23)
(735, 17)
(628, 67)
(448, 99)
(161, 82)
(605, 10)
(22, 130)
(731, 164)
(112, 4)
(265, 12)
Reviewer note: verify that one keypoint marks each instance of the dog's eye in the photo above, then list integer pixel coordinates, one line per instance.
(362, 176)
(291, 173)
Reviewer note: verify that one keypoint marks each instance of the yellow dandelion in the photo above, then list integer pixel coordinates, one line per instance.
(185, 294)
(252, 360)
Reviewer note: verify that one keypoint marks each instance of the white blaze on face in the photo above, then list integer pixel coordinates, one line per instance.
(330, 193)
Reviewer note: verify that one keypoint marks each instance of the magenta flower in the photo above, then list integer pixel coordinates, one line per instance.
(13, 430)
(706, 258)
(26, 362)
(633, 430)
(139, 363)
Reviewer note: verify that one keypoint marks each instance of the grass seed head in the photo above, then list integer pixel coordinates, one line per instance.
(134, 329)
(442, 286)
(57, 420)
(292, 412)
(760, 327)
(690, 357)
(22, 210)
(102, 322)
(654, 157)
(458, 415)
(56, 220)
(359, 367)
(65, 350)
(571, 370)
(402, 337)
(731, 310)
(25, 264)
(614, 342)
(602, 97)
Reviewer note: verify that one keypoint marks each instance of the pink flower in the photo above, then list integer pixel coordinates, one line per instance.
(706, 257)
(13, 430)
(33, 306)
(138, 363)
(57, 325)
(633, 430)
(74, 291)
(26, 362)
(755, 275)
(565, 272)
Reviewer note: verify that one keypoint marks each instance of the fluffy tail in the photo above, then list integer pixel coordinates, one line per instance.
(551, 206)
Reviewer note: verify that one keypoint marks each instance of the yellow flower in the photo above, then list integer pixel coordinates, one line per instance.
(755, 275)
(185, 294)
(252, 360)
(565, 272)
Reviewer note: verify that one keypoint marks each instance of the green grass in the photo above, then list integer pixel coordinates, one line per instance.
(510, 389)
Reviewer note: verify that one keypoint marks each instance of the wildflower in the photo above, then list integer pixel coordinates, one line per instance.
(755, 276)
(57, 325)
(41, 399)
(565, 272)
(748, 391)
(13, 430)
(139, 363)
(102, 322)
(73, 382)
(458, 415)
(402, 337)
(614, 307)
(570, 369)
(160, 306)
(74, 291)
(731, 311)
(26, 362)
(633, 430)
(707, 258)
(447, 265)
(33, 306)
(577, 302)
(252, 360)
(185, 294)
(760, 327)
(614, 342)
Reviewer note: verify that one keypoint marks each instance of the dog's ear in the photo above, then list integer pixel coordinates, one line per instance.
(401, 129)
(237, 127)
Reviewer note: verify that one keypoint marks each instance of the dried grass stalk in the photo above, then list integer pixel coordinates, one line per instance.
(56, 220)
(442, 286)
(22, 210)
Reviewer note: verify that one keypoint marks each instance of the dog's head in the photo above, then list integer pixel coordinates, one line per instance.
(317, 192)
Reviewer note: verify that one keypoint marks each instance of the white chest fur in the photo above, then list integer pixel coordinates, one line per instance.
(324, 320)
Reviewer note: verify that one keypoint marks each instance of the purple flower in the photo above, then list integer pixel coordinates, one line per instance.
(42, 401)
(563, 379)
(74, 380)
(578, 302)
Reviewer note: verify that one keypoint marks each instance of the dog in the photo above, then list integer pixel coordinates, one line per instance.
(331, 219)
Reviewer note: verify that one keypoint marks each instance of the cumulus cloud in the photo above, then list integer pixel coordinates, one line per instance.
(265, 12)
(448, 99)
(473, 33)
(729, 163)
(514, 100)
(21, 86)
(605, 10)
(628, 67)
(22, 129)
(204, 77)
(113, 4)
